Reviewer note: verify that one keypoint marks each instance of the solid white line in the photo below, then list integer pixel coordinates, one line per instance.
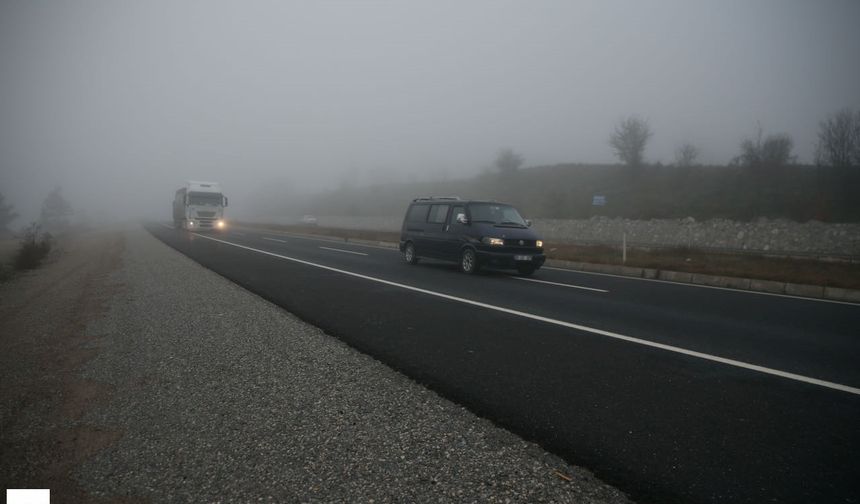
(274, 239)
(344, 251)
(601, 332)
(560, 284)
(166, 225)
(701, 286)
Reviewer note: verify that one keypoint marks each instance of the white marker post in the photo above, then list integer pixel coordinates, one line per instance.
(624, 248)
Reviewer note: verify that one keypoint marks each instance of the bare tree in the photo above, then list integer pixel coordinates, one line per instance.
(629, 139)
(839, 140)
(508, 161)
(766, 154)
(7, 215)
(686, 155)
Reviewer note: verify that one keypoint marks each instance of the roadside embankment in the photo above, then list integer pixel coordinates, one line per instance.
(44, 343)
(132, 374)
(782, 237)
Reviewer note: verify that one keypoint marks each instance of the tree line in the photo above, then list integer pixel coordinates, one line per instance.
(762, 180)
(837, 146)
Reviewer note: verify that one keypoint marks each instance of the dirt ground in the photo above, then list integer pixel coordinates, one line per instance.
(43, 343)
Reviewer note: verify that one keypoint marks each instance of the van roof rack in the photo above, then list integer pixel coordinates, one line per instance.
(434, 198)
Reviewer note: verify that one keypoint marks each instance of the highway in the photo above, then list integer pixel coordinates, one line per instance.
(671, 392)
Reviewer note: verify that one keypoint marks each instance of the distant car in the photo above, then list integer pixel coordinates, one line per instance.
(472, 233)
(309, 220)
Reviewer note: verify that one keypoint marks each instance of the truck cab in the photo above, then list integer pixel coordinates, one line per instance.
(199, 206)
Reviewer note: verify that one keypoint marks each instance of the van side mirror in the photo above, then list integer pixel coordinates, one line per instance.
(461, 219)
(529, 222)
(225, 200)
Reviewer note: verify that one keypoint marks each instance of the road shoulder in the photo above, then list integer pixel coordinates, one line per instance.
(204, 391)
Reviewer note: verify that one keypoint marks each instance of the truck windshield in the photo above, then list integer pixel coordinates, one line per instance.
(503, 215)
(198, 198)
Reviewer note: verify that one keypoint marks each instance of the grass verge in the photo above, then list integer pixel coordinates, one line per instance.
(801, 271)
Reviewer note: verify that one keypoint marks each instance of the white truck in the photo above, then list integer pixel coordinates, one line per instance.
(199, 206)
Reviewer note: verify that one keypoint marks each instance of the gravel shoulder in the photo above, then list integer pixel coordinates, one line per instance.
(175, 385)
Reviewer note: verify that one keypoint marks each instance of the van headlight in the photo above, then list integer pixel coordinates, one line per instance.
(496, 242)
(220, 224)
(539, 244)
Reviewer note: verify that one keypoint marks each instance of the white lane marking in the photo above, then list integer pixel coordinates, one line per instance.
(559, 284)
(274, 239)
(344, 251)
(592, 330)
(684, 284)
(166, 225)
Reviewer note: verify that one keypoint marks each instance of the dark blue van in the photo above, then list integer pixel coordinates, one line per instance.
(471, 233)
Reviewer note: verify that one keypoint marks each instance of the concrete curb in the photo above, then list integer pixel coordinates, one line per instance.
(727, 282)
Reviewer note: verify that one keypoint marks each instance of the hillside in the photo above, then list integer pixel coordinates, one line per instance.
(796, 192)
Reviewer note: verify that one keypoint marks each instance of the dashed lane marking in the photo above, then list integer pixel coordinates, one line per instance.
(344, 251)
(560, 284)
(701, 286)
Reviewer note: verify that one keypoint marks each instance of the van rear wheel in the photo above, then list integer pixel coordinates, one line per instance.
(409, 254)
(469, 262)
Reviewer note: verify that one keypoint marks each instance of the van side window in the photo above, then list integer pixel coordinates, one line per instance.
(417, 213)
(438, 213)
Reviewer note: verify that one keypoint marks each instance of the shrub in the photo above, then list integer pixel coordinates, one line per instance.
(35, 246)
(5, 273)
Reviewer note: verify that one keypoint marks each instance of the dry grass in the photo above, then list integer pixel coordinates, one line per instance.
(803, 271)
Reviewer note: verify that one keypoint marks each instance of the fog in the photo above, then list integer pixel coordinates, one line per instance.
(120, 102)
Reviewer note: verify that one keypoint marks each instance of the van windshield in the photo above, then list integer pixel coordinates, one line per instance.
(201, 198)
(494, 213)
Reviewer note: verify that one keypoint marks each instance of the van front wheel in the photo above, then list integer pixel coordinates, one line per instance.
(409, 254)
(469, 262)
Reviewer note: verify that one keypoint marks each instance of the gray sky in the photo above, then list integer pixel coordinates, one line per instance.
(120, 101)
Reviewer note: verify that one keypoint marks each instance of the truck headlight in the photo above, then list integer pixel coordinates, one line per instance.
(539, 244)
(496, 242)
(220, 224)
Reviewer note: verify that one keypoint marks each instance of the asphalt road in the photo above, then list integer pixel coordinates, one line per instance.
(671, 392)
